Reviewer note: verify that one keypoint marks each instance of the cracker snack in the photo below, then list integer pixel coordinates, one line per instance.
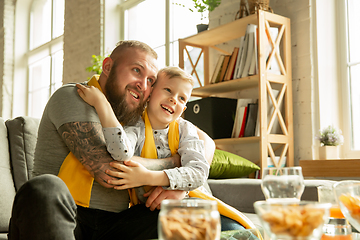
(190, 223)
(293, 221)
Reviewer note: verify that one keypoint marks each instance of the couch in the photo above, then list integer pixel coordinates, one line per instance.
(17, 145)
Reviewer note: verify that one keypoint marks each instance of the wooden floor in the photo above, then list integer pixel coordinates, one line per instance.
(331, 168)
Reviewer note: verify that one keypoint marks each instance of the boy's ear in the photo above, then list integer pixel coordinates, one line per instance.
(107, 65)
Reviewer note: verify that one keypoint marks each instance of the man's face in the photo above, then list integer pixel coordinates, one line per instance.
(129, 84)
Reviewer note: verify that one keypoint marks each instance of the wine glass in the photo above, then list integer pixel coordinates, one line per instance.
(347, 193)
(285, 184)
(326, 195)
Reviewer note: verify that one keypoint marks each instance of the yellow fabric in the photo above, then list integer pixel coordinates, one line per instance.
(78, 180)
(149, 151)
(227, 211)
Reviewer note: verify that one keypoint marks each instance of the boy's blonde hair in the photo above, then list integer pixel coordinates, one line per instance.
(173, 72)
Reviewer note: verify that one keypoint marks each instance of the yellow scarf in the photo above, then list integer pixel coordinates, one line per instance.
(78, 180)
(149, 151)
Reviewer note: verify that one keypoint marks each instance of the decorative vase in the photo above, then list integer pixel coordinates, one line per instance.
(202, 27)
(328, 152)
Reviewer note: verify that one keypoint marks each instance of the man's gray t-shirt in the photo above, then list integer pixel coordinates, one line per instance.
(65, 106)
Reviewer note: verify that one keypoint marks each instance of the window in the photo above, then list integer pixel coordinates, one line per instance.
(45, 56)
(160, 24)
(351, 67)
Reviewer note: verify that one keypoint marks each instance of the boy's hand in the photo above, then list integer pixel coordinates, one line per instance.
(131, 174)
(90, 94)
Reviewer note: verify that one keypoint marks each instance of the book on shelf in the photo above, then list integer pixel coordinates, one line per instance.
(250, 32)
(241, 63)
(239, 117)
(251, 118)
(224, 67)
(243, 122)
(254, 68)
(238, 59)
(230, 69)
(241, 107)
(216, 75)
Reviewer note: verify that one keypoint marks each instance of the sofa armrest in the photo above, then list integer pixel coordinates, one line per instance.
(22, 132)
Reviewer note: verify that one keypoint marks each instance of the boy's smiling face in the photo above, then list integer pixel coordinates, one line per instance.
(168, 100)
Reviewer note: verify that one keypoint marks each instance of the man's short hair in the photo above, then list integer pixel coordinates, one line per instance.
(122, 45)
(173, 72)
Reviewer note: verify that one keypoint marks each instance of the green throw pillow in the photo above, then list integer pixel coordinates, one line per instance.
(229, 165)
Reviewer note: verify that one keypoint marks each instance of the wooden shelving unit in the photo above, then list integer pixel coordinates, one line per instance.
(267, 144)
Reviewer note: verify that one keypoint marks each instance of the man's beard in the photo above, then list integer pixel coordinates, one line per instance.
(118, 102)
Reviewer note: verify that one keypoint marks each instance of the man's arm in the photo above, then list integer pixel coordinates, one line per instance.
(209, 145)
(86, 141)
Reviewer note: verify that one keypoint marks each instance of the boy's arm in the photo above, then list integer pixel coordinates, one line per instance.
(191, 174)
(97, 99)
(120, 143)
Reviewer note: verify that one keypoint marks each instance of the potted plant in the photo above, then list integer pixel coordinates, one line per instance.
(330, 138)
(202, 6)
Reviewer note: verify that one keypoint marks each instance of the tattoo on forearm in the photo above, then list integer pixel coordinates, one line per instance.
(86, 141)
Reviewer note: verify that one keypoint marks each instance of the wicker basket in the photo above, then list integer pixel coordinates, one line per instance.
(259, 4)
(248, 7)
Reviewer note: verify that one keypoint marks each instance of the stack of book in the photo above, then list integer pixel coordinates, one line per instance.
(247, 121)
(243, 61)
(245, 118)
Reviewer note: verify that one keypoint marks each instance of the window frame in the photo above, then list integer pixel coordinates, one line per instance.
(343, 39)
(132, 3)
(47, 49)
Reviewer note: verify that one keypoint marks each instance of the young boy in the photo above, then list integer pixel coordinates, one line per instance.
(170, 94)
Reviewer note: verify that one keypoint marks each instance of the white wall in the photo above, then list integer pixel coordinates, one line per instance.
(84, 28)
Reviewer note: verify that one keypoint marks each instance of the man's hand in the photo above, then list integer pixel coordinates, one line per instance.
(157, 194)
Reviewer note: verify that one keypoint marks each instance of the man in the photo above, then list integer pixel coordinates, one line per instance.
(70, 129)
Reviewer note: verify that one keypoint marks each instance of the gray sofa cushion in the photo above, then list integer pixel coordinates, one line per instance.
(7, 189)
(241, 193)
(22, 133)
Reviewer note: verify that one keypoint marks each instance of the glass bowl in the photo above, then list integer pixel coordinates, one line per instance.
(189, 219)
(293, 220)
(347, 194)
